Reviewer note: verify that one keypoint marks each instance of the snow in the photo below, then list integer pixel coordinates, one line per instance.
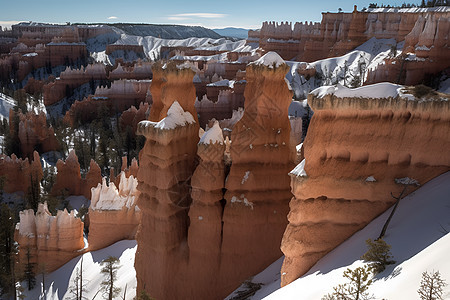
(271, 59)
(409, 10)
(371, 179)
(418, 234)
(299, 170)
(221, 83)
(6, 103)
(176, 116)
(212, 135)
(245, 178)
(243, 200)
(59, 282)
(374, 91)
(406, 181)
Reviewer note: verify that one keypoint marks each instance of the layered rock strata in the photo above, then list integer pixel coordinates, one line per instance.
(227, 238)
(359, 146)
(113, 214)
(51, 240)
(167, 162)
(257, 186)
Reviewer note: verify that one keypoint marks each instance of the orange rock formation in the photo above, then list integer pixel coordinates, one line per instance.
(113, 214)
(18, 173)
(51, 240)
(167, 162)
(68, 178)
(224, 241)
(34, 133)
(354, 150)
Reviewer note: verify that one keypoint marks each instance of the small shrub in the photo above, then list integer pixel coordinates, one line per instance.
(378, 254)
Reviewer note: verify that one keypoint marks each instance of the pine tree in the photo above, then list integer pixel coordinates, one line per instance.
(30, 276)
(379, 255)
(110, 266)
(356, 289)
(7, 247)
(431, 286)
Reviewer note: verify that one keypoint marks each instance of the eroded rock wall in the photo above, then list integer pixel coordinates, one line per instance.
(51, 240)
(19, 173)
(113, 214)
(354, 150)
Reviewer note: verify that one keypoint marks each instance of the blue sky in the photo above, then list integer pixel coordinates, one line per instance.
(211, 14)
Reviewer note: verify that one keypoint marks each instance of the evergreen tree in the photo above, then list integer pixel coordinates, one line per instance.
(7, 247)
(379, 255)
(356, 289)
(110, 266)
(29, 275)
(431, 286)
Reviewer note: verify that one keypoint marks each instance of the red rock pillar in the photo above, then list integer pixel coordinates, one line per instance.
(167, 162)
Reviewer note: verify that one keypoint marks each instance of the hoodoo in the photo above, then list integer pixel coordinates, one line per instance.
(362, 144)
(228, 237)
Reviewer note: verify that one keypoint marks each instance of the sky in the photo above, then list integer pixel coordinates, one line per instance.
(208, 13)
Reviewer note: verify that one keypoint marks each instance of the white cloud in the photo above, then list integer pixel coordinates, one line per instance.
(112, 18)
(7, 24)
(180, 17)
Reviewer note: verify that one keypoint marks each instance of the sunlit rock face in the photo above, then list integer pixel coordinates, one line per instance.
(425, 32)
(257, 186)
(205, 227)
(113, 214)
(167, 163)
(359, 145)
(50, 240)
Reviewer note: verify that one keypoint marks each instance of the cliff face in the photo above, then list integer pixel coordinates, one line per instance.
(424, 31)
(51, 240)
(355, 149)
(113, 214)
(69, 178)
(257, 186)
(167, 162)
(224, 239)
(18, 172)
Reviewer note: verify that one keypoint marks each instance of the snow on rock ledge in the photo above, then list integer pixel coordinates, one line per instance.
(374, 91)
(106, 197)
(270, 59)
(212, 135)
(176, 116)
(113, 213)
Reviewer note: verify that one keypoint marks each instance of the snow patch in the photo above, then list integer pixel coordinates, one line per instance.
(406, 181)
(245, 178)
(374, 91)
(371, 179)
(176, 116)
(212, 135)
(242, 199)
(299, 170)
(270, 59)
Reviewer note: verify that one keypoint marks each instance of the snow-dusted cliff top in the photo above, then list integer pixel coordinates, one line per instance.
(176, 116)
(374, 91)
(270, 59)
(212, 135)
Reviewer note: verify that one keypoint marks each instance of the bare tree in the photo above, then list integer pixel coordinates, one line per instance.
(431, 286)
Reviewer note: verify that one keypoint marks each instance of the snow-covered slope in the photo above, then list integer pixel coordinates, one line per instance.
(60, 282)
(343, 69)
(418, 234)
